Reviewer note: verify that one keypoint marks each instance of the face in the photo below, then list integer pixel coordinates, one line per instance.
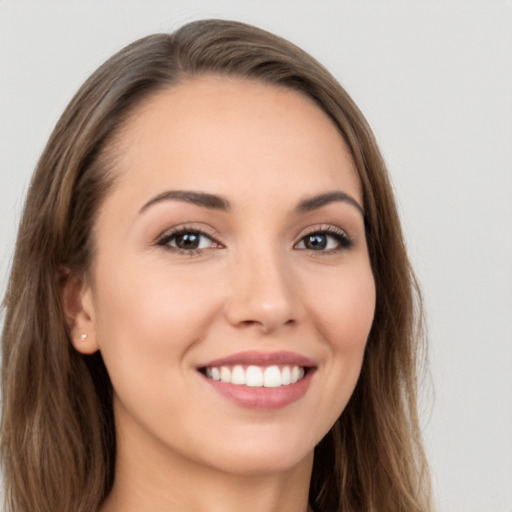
(231, 294)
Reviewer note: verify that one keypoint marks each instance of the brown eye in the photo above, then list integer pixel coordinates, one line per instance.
(328, 241)
(316, 242)
(187, 241)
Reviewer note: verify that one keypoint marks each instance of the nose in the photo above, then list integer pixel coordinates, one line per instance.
(263, 294)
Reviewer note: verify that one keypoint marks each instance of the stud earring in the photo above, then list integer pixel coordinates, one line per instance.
(83, 336)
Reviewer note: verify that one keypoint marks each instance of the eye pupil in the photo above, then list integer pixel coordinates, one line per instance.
(188, 241)
(315, 242)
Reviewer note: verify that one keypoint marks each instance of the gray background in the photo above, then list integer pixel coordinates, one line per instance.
(434, 79)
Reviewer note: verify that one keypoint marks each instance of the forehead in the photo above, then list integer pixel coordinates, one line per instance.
(229, 135)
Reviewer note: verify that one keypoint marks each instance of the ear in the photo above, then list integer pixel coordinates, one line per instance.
(78, 305)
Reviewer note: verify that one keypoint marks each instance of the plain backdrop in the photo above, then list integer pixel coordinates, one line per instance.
(434, 79)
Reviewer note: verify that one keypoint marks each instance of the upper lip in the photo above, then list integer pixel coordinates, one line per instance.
(257, 358)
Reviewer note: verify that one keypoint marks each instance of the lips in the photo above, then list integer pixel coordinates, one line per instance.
(260, 380)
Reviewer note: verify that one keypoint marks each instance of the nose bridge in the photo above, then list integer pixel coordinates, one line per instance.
(263, 289)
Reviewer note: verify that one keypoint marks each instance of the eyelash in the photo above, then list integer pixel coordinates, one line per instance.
(343, 241)
(164, 240)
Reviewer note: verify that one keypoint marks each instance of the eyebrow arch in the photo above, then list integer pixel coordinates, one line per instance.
(203, 199)
(315, 202)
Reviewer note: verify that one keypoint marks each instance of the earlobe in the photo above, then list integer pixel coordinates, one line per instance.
(78, 308)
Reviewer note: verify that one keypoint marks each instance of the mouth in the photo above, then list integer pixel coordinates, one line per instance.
(257, 380)
(273, 376)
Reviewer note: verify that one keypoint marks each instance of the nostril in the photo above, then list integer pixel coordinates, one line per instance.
(266, 326)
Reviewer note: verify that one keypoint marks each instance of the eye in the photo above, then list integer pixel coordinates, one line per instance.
(325, 240)
(187, 240)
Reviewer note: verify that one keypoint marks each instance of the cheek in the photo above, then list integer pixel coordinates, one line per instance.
(150, 297)
(148, 317)
(148, 323)
(344, 316)
(346, 309)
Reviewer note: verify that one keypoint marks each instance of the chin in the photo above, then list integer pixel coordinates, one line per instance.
(253, 458)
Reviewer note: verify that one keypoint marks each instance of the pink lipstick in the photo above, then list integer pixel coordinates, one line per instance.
(260, 380)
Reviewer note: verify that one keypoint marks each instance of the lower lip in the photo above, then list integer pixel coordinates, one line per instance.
(260, 397)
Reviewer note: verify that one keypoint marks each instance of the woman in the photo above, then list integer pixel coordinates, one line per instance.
(210, 304)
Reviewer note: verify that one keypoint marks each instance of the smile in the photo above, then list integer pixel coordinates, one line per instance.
(260, 380)
(257, 376)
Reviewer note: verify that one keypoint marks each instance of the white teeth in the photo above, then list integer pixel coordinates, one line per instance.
(272, 377)
(225, 374)
(286, 376)
(238, 375)
(256, 376)
(295, 375)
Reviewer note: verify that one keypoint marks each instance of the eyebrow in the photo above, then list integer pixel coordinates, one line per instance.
(316, 202)
(203, 199)
(216, 202)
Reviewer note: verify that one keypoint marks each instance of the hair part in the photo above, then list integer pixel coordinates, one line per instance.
(58, 434)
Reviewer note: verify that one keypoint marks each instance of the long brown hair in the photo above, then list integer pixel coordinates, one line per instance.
(58, 436)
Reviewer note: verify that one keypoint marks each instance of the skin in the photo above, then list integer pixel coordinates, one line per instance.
(157, 313)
